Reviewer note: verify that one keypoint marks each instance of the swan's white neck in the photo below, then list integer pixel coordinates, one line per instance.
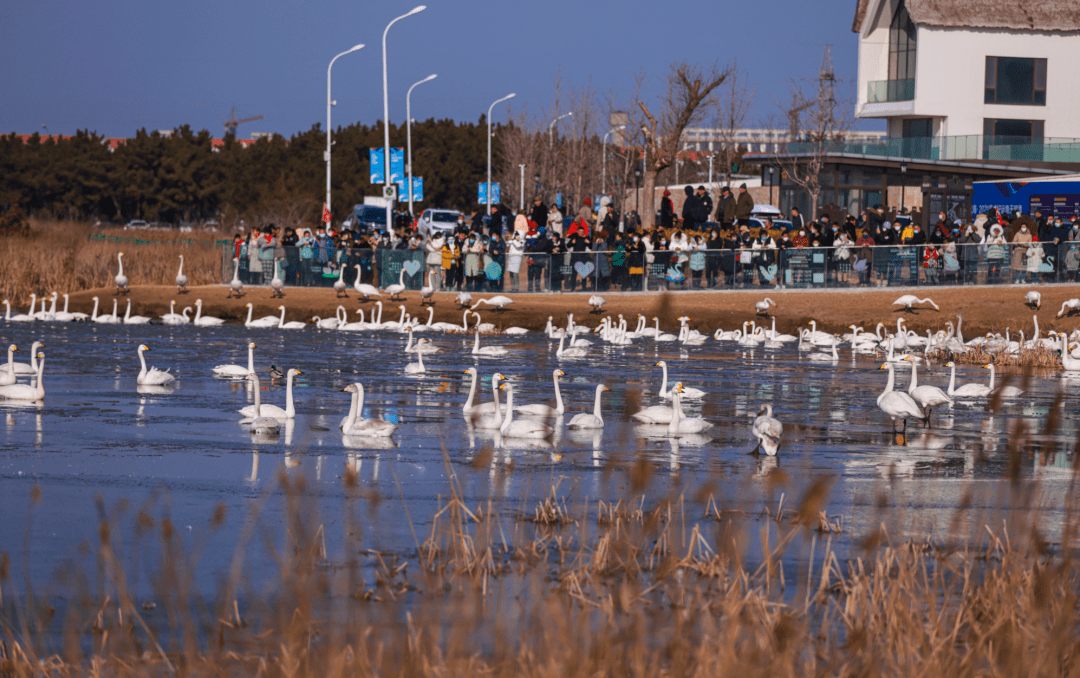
(354, 407)
(142, 363)
(558, 394)
(251, 358)
(596, 405)
(509, 409)
(663, 383)
(290, 411)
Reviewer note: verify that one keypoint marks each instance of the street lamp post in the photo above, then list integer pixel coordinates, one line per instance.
(521, 200)
(490, 108)
(903, 182)
(408, 134)
(386, 112)
(710, 170)
(637, 184)
(770, 183)
(551, 127)
(329, 103)
(603, 174)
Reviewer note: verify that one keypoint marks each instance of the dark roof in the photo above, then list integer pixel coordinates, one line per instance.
(1059, 16)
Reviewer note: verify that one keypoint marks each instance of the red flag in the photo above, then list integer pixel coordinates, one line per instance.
(325, 214)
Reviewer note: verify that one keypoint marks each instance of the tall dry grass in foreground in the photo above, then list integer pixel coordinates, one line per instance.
(629, 588)
(58, 256)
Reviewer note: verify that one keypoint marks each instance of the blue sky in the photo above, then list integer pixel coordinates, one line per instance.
(114, 66)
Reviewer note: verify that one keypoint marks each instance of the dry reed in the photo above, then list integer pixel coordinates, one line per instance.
(60, 256)
(627, 588)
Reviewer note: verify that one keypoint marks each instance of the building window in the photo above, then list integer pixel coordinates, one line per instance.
(998, 131)
(1010, 80)
(918, 128)
(901, 45)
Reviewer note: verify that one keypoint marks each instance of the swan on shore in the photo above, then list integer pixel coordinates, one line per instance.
(427, 292)
(24, 392)
(355, 424)
(762, 307)
(396, 289)
(181, 279)
(235, 286)
(909, 300)
(273, 410)
(500, 302)
(1033, 299)
(153, 376)
(121, 280)
(597, 303)
(767, 430)
(1069, 307)
(236, 371)
(363, 289)
(594, 420)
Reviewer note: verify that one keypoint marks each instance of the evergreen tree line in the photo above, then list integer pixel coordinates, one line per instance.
(179, 178)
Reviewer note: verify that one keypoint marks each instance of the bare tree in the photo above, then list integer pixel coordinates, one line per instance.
(688, 88)
(817, 122)
(736, 98)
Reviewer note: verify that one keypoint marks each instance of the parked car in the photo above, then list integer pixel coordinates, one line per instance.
(367, 219)
(136, 224)
(759, 222)
(434, 221)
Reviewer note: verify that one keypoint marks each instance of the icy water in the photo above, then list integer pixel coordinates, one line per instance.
(183, 452)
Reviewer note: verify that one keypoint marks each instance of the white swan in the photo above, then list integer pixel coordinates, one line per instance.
(500, 302)
(897, 404)
(112, 319)
(355, 424)
(235, 286)
(266, 321)
(597, 303)
(18, 317)
(181, 279)
(451, 327)
(426, 347)
(762, 307)
(927, 396)
(493, 419)
(153, 376)
(463, 299)
(340, 288)
(205, 320)
(967, 390)
(26, 392)
(909, 300)
(564, 352)
(483, 327)
(260, 423)
(427, 292)
(1033, 299)
(120, 279)
(594, 420)
(277, 282)
(396, 289)
(236, 371)
(522, 428)
(1004, 391)
(67, 316)
(363, 289)
(489, 351)
(679, 423)
(484, 408)
(1069, 363)
(655, 414)
(291, 325)
(542, 410)
(687, 393)
(1069, 307)
(831, 357)
(356, 326)
(134, 319)
(418, 366)
(274, 411)
(172, 318)
(7, 373)
(25, 369)
(662, 336)
(329, 323)
(767, 430)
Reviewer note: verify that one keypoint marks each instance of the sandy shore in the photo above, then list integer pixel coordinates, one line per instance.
(984, 309)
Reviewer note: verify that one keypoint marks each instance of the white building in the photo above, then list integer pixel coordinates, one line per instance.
(987, 79)
(756, 140)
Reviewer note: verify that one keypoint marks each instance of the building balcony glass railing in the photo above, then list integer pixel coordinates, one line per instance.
(881, 91)
(966, 147)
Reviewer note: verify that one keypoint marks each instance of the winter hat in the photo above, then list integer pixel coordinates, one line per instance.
(588, 201)
(743, 187)
(667, 192)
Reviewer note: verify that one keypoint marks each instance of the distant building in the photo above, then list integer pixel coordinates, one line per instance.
(972, 79)
(755, 140)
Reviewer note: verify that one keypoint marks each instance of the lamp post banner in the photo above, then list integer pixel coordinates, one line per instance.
(481, 193)
(397, 165)
(417, 188)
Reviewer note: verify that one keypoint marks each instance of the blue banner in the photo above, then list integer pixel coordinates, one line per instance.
(417, 189)
(481, 193)
(397, 165)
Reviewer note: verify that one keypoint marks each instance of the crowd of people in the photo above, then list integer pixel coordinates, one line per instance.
(708, 244)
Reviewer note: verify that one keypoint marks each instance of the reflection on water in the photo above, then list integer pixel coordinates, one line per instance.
(98, 432)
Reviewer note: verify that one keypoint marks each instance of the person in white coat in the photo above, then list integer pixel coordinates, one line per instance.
(433, 259)
(515, 248)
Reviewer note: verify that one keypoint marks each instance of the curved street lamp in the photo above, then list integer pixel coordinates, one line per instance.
(386, 111)
(603, 179)
(408, 134)
(330, 102)
(490, 108)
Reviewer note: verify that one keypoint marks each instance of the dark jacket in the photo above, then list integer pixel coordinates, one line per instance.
(667, 212)
(727, 210)
(744, 206)
(707, 206)
(539, 214)
(690, 209)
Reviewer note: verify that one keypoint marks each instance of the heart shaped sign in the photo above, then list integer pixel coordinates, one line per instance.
(411, 267)
(493, 271)
(584, 268)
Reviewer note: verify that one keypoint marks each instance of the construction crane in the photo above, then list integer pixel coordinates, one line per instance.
(232, 122)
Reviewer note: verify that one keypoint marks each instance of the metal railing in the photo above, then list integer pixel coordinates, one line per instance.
(746, 268)
(880, 91)
(965, 147)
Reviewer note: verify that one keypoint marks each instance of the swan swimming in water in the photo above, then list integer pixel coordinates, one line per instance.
(24, 392)
(1004, 391)
(767, 430)
(484, 408)
(522, 428)
(7, 374)
(134, 319)
(418, 366)
(24, 369)
(686, 394)
(274, 411)
(153, 376)
(680, 424)
(489, 351)
(967, 390)
(355, 424)
(594, 420)
(542, 410)
(259, 423)
(237, 371)
(204, 320)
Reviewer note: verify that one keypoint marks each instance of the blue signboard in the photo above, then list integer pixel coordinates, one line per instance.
(1053, 198)
(481, 193)
(417, 189)
(397, 164)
